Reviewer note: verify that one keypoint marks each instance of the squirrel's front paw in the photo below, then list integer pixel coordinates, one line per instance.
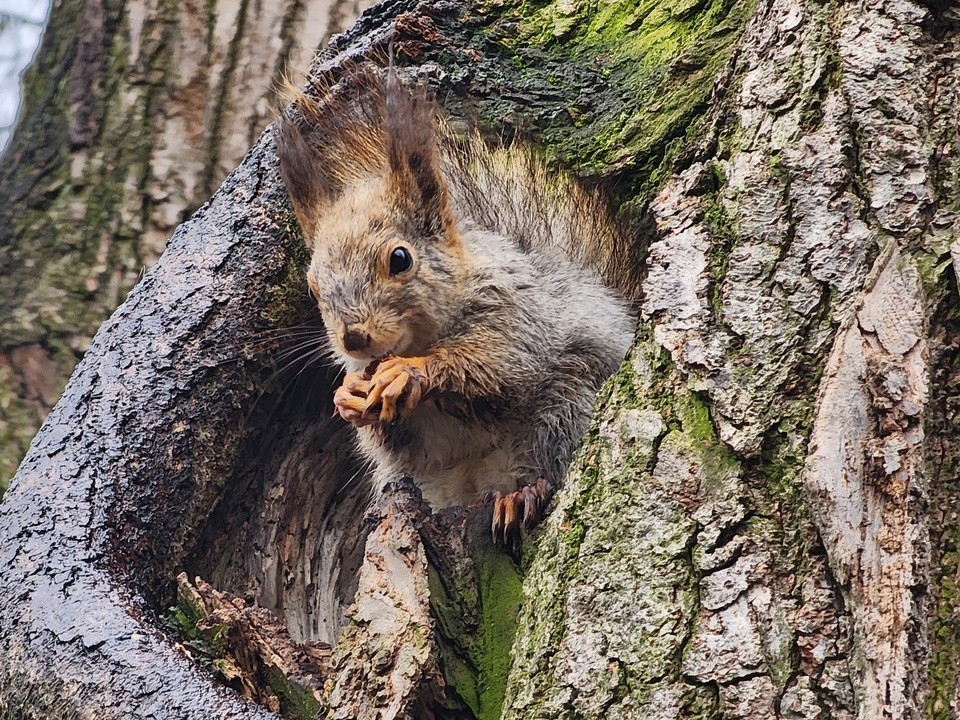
(350, 399)
(396, 386)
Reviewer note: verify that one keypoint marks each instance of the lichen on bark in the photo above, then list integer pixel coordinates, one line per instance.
(608, 596)
(762, 251)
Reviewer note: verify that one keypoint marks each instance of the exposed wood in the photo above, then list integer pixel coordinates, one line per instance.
(250, 649)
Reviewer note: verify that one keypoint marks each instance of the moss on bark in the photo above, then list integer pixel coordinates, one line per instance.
(635, 79)
(478, 623)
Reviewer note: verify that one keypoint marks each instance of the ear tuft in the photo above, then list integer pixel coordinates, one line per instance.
(327, 137)
(309, 183)
(358, 127)
(411, 141)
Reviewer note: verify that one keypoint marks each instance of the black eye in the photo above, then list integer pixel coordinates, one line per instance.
(400, 260)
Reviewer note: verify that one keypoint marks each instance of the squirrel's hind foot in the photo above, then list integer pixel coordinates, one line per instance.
(517, 513)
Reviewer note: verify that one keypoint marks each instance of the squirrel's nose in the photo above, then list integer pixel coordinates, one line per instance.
(354, 339)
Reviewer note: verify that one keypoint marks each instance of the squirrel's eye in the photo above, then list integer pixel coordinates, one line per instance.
(400, 260)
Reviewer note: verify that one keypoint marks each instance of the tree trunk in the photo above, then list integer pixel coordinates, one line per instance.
(762, 521)
(133, 114)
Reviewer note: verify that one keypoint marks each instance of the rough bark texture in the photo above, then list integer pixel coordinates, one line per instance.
(770, 437)
(113, 490)
(763, 521)
(250, 649)
(133, 114)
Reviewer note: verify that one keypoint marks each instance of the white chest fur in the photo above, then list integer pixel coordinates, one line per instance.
(452, 461)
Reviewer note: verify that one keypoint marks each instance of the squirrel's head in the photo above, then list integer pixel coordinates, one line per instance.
(363, 172)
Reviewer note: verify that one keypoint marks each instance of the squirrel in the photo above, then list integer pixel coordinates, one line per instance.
(459, 285)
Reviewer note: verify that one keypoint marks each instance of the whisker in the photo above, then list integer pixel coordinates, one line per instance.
(289, 328)
(305, 358)
(342, 489)
(284, 339)
(315, 343)
(306, 332)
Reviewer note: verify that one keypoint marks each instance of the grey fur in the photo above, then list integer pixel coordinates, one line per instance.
(506, 300)
(563, 332)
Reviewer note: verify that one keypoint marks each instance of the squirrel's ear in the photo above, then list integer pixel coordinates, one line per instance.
(415, 177)
(309, 183)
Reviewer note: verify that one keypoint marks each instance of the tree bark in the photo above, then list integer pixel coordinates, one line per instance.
(776, 438)
(761, 522)
(133, 114)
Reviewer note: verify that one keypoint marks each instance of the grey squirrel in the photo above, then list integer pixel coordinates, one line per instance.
(459, 288)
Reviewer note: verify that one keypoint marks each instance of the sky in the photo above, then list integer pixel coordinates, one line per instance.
(21, 24)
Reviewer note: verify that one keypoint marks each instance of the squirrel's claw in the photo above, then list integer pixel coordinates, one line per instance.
(535, 498)
(396, 387)
(351, 397)
(518, 511)
(389, 397)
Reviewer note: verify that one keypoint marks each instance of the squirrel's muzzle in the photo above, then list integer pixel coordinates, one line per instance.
(354, 340)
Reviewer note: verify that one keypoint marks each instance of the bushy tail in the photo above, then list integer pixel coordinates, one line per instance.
(513, 191)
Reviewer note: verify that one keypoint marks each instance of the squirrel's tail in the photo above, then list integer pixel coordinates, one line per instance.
(513, 190)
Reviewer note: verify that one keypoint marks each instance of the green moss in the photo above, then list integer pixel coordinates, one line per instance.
(500, 598)
(719, 463)
(210, 647)
(701, 703)
(783, 465)
(478, 621)
(296, 701)
(287, 299)
(724, 235)
(943, 471)
(932, 260)
(695, 420)
(813, 98)
(656, 63)
(75, 238)
(614, 472)
(944, 668)
(18, 424)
